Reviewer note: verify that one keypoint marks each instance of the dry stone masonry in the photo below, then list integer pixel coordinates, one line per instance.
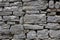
(29, 19)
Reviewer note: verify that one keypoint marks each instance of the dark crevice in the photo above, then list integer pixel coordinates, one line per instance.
(57, 13)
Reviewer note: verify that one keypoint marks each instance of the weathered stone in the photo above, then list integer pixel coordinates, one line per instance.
(51, 13)
(53, 26)
(16, 29)
(31, 7)
(35, 27)
(13, 8)
(51, 4)
(51, 19)
(31, 35)
(41, 18)
(19, 36)
(17, 39)
(54, 33)
(5, 39)
(26, 0)
(32, 3)
(10, 18)
(5, 26)
(42, 34)
(18, 13)
(5, 13)
(32, 11)
(57, 5)
(10, 23)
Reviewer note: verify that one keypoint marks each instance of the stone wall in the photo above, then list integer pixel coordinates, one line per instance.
(29, 20)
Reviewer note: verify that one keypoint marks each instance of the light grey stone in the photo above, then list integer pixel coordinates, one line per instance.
(16, 29)
(54, 33)
(5, 39)
(32, 3)
(51, 4)
(1, 18)
(10, 18)
(41, 18)
(13, 8)
(17, 39)
(57, 5)
(31, 35)
(5, 26)
(35, 27)
(32, 11)
(53, 26)
(10, 23)
(26, 0)
(20, 36)
(42, 34)
(31, 7)
(51, 19)
(18, 13)
(5, 31)
(5, 13)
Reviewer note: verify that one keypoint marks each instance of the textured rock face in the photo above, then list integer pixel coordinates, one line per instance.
(29, 20)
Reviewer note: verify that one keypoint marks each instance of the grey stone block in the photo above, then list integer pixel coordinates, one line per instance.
(31, 7)
(17, 39)
(18, 13)
(32, 3)
(51, 13)
(42, 34)
(5, 39)
(10, 23)
(10, 18)
(16, 4)
(5, 31)
(57, 5)
(53, 26)
(5, 26)
(16, 29)
(51, 4)
(35, 27)
(41, 18)
(13, 8)
(31, 35)
(26, 0)
(32, 11)
(5, 13)
(54, 33)
(51, 19)
(1, 18)
(20, 36)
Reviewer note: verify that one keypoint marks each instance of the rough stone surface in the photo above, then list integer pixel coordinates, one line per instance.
(29, 19)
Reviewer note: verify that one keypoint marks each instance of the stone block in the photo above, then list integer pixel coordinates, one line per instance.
(54, 33)
(51, 4)
(51, 13)
(41, 18)
(32, 12)
(34, 27)
(16, 29)
(42, 34)
(31, 35)
(5, 13)
(51, 19)
(20, 36)
(10, 18)
(53, 26)
(57, 5)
